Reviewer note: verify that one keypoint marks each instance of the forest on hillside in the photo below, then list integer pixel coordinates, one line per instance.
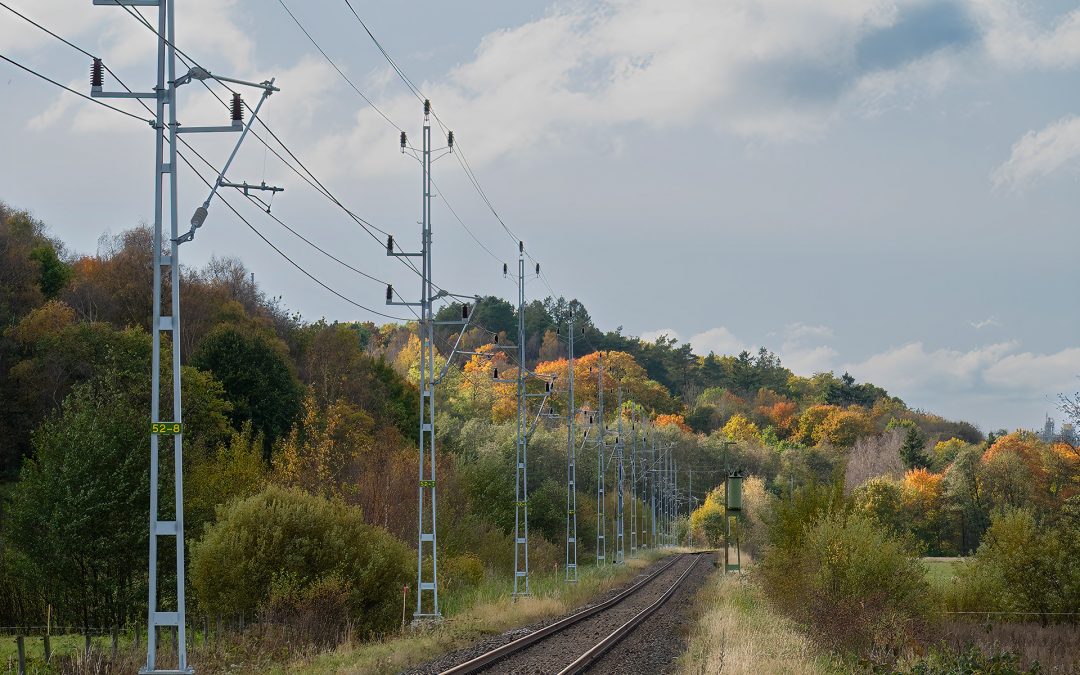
(300, 444)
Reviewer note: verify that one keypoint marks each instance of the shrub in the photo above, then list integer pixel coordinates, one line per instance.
(1022, 566)
(461, 571)
(285, 548)
(945, 661)
(849, 582)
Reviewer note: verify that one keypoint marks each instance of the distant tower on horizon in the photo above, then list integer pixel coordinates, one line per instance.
(1048, 430)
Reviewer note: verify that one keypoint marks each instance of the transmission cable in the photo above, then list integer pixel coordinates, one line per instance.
(77, 93)
(367, 226)
(204, 180)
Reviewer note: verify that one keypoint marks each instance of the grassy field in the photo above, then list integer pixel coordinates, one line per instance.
(735, 632)
(61, 645)
(941, 571)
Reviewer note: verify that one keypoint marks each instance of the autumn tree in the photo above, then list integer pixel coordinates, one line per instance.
(323, 452)
(739, 428)
(810, 420)
(337, 368)
(115, 285)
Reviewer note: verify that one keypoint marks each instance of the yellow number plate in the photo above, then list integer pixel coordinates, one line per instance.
(166, 427)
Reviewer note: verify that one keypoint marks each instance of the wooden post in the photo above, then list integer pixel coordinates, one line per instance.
(115, 642)
(48, 631)
(22, 654)
(86, 641)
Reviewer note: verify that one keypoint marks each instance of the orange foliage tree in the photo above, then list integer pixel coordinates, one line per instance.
(668, 420)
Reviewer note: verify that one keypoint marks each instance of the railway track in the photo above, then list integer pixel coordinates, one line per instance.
(575, 643)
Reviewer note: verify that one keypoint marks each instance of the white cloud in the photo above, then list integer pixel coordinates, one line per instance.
(778, 70)
(809, 360)
(1013, 39)
(996, 384)
(800, 331)
(912, 368)
(1040, 153)
(653, 335)
(985, 323)
(719, 340)
(803, 351)
(1046, 373)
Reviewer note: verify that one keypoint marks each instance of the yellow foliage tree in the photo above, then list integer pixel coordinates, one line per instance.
(407, 361)
(810, 420)
(620, 369)
(322, 453)
(707, 520)
(843, 427)
(478, 390)
(739, 428)
(947, 450)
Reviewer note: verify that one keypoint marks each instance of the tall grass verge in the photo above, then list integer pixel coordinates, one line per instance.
(736, 632)
(473, 614)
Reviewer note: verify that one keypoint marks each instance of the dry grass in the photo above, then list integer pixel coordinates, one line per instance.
(1056, 647)
(487, 610)
(735, 632)
(265, 648)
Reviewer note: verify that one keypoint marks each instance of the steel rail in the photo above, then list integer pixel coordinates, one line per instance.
(587, 659)
(488, 658)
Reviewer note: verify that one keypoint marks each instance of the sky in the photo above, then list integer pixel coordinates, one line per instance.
(884, 187)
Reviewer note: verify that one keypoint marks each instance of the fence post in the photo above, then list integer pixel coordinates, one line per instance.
(48, 648)
(22, 654)
(86, 641)
(115, 642)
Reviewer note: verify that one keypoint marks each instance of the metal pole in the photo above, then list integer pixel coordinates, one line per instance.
(654, 478)
(690, 510)
(633, 486)
(675, 500)
(601, 540)
(571, 463)
(426, 487)
(620, 542)
(165, 122)
(521, 487)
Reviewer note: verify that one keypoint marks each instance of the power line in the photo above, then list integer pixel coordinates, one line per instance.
(204, 180)
(381, 113)
(38, 25)
(286, 257)
(77, 93)
(462, 159)
(331, 62)
(404, 78)
(464, 226)
(365, 225)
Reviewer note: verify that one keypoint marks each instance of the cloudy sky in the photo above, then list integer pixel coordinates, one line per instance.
(880, 186)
